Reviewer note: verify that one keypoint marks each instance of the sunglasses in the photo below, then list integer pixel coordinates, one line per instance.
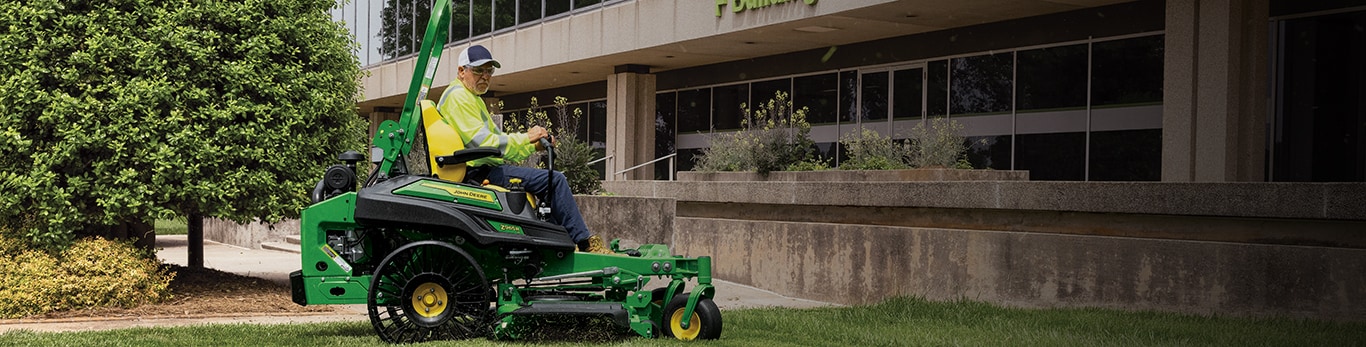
(480, 70)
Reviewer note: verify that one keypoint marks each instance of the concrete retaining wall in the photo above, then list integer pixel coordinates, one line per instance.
(1036, 244)
(859, 264)
(642, 220)
(249, 235)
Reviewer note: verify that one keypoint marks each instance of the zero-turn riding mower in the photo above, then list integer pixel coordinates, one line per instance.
(434, 256)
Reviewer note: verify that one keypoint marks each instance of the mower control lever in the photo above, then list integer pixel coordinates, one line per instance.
(543, 206)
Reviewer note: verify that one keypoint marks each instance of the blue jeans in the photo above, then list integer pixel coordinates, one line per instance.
(563, 209)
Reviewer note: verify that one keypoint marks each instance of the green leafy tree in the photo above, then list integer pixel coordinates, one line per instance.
(120, 111)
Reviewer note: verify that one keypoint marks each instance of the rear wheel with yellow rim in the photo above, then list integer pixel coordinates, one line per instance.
(429, 290)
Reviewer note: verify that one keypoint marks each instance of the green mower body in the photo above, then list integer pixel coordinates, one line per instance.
(437, 259)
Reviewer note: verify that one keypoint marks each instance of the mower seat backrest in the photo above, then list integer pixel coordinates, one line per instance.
(441, 140)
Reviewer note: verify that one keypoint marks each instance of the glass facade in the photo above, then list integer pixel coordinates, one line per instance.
(1071, 111)
(391, 29)
(1318, 124)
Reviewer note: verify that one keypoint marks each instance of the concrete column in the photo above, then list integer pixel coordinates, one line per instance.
(630, 122)
(1215, 91)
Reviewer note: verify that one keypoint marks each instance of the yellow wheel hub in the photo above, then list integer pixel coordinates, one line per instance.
(429, 300)
(676, 325)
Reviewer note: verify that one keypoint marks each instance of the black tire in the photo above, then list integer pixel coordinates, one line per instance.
(705, 322)
(426, 291)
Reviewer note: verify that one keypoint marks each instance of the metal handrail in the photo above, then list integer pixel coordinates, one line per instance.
(671, 165)
(599, 160)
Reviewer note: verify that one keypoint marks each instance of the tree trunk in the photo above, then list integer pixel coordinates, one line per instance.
(195, 223)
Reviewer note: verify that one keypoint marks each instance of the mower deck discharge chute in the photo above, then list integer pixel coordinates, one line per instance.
(435, 257)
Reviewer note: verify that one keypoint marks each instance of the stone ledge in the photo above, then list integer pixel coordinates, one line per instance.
(1333, 201)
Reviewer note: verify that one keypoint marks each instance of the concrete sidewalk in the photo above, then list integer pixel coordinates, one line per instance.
(276, 265)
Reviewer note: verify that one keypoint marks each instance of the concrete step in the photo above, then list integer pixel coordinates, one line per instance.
(293, 239)
(281, 246)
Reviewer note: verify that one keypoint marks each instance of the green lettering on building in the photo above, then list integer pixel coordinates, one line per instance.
(738, 6)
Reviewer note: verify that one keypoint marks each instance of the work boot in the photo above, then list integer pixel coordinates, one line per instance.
(594, 244)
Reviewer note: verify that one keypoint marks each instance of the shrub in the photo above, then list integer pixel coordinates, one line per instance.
(91, 273)
(773, 137)
(869, 150)
(939, 145)
(571, 154)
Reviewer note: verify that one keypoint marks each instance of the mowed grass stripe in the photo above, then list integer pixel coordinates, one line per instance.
(896, 322)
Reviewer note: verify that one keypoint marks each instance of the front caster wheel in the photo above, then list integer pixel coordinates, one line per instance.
(704, 323)
(427, 291)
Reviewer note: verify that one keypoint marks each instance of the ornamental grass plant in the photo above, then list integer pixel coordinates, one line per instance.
(773, 137)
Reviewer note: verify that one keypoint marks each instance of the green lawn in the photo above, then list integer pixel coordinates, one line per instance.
(897, 322)
(171, 226)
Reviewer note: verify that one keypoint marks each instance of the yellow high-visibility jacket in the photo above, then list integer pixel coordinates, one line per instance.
(467, 113)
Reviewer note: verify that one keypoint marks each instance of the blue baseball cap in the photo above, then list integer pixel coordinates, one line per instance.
(477, 55)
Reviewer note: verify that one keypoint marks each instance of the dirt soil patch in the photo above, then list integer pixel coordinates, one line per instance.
(206, 293)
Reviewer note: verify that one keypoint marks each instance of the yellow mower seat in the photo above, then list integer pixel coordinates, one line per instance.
(442, 140)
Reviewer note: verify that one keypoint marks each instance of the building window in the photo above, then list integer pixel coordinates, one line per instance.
(1052, 157)
(1126, 155)
(597, 123)
(554, 7)
(981, 84)
(1127, 72)
(481, 19)
(504, 14)
(873, 91)
(989, 152)
(818, 94)
(1318, 131)
(1052, 78)
(937, 88)
(665, 122)
(762, 92)
(528, 11)
(726, 113)
(694, 111)
(908, 92)
(849, 107)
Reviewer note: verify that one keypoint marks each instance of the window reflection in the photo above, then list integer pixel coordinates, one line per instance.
(937, 88)
(1052, 78)
(665, 110)
(694, 110)
(528, 11)
(1052, 157)
(597, 123)
(726, 114)
(1126, 155)
(481, 19)
(402, 21)
(874, 96)
(818, 94)
(981, 84)
(762, 92)
(849, 108)
(989, 152)
(1127, 71)
(554, 7)
(504, 14)
(906, 102)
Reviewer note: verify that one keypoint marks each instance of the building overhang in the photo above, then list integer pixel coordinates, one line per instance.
(586, 46)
